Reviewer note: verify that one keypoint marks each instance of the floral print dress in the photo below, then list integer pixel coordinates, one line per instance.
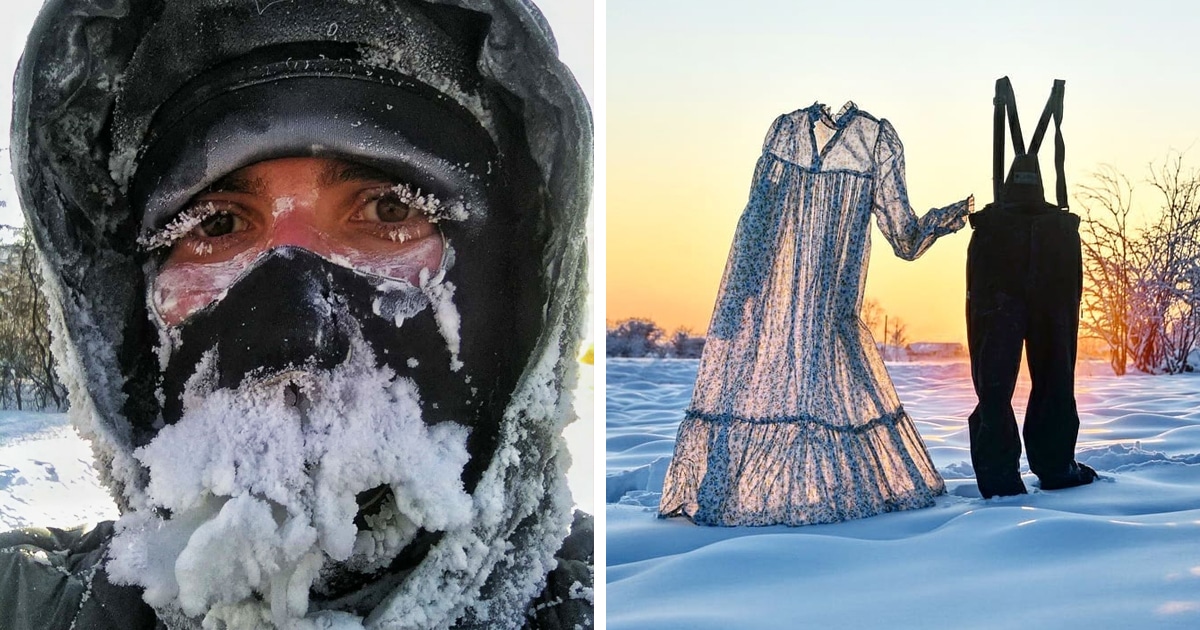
(793, 419)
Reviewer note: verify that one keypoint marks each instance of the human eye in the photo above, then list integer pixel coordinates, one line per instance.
(399, 202)
(201, 226)
(389, 207)
(398, 213)
(219, 223)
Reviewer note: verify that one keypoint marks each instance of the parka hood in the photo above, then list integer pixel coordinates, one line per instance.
(94, 75)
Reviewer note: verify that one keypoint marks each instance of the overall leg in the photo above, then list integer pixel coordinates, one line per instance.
(1051, 419)
(995, 333)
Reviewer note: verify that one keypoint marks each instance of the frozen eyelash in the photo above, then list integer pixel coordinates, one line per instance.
(397, 235)
(179, 227)
(430, 206)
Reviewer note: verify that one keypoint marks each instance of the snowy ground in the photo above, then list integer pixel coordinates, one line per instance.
(47, 478)
(1121, 553)
(46, 474)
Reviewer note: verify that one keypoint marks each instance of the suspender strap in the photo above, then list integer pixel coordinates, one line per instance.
(1004, 102)
(1054, 107)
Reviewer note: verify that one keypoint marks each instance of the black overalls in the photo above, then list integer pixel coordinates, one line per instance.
(1024, 282)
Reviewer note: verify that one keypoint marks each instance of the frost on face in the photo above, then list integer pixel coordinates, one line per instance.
(441, 297)
(178, 227)
(260, 484)
(282, 205)
(398, 301)
(429, 205)
(527, 476)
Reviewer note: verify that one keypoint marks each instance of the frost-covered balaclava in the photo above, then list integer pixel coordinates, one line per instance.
(318, 443)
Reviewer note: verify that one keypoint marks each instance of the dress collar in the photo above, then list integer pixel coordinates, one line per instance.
(820, 110)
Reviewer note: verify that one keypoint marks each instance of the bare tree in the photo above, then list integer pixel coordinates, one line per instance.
(898, 334)
(894, 332)
(684, 345)
(1172, 246)
(1142, 285)
(1108, 262)
(872, 314)
(26, 365)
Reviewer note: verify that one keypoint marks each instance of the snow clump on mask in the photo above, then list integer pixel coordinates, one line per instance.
(260, 485)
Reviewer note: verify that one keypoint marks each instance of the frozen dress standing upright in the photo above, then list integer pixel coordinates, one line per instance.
(793, 419)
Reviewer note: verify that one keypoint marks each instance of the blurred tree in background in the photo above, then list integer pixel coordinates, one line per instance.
(641, 337)
(27, 376)
(633, 337)
(685, 345)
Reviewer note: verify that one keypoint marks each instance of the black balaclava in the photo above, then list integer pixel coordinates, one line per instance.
(125, 110)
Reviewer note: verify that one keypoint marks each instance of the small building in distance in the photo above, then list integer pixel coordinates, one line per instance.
(927, 350)
(888, 352)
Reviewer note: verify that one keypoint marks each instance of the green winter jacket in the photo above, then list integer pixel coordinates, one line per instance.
(54, 579)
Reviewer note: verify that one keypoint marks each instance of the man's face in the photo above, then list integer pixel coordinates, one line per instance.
(349, 214)
(321, 425)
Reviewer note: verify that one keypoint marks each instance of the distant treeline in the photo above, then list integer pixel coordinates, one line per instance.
(638, 337)
(641, 337)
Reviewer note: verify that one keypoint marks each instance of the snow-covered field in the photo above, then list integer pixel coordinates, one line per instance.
(47, 478)
(46, 474)
(1121, 553)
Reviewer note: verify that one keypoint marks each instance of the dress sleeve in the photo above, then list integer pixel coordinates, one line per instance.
(910, 236)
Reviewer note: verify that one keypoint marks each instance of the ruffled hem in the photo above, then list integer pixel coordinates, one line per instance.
(796, 471)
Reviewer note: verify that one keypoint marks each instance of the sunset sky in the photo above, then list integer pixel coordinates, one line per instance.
(692, 86)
